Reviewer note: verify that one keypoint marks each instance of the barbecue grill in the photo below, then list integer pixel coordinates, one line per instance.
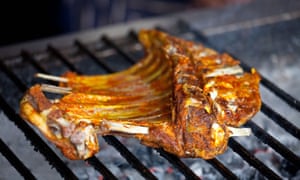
(106, 54)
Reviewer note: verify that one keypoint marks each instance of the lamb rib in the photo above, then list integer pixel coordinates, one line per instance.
(182, 97)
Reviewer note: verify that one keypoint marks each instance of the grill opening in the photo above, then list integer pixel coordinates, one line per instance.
(107, 55)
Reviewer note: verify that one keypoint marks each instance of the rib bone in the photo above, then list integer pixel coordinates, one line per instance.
(233, 70)
(239, 131)
(51, 77)
(124, 128)
(55, 89)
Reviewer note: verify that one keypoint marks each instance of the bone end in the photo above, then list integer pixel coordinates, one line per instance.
(239, 131)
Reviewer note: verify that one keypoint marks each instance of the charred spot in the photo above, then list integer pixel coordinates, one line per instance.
(55, 114)
(205, 70)
(37, 99)
(31, 101)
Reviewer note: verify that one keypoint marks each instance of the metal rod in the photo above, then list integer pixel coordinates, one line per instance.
(36, 141)
(62, 58)
(131, 159)
(280, 120)
(275, 144)
(29, 57)
(222, 169)
(20, 84)
(15, 161)
(50, 159)
(100, 167)
(252, 160)
(92, 55)
(109, 42)
(176, 162)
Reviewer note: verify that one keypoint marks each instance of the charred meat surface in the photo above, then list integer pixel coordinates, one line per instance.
(182, 97)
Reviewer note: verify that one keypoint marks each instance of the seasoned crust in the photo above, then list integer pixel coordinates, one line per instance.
(39, 111)
(186, 94)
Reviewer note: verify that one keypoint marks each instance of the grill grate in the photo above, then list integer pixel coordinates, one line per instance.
(36, 141)
(107, 43)
(15, 161)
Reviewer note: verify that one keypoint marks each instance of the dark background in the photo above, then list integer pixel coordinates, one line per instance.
(32, 19)
(23, 20)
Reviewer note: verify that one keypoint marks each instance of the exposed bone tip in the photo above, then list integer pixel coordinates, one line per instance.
(231, 70)
(125, 128)
(51, 77)
(239, 131)
(55, 89)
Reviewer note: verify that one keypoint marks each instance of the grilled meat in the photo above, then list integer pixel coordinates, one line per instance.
(182, 97)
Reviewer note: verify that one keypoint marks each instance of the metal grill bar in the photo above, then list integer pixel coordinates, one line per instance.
(36, 141)
(86, 50)
(62, 58)
(13, 77)
(15, 161)
(222, 169)
(99, 166)
(252, 160)
(133, 161)
(187, 172)
(118, 49)
(103, 171)
(32, 136)
(276, 145)
(28, 57)
(280, 120)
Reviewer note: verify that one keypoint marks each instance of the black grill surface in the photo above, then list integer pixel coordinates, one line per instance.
(107, 55)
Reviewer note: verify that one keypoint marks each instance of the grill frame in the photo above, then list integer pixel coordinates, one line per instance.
(132, 160)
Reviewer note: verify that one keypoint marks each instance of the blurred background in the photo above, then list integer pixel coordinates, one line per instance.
(23, 20)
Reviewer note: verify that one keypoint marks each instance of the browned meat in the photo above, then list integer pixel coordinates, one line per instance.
(182, 97)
